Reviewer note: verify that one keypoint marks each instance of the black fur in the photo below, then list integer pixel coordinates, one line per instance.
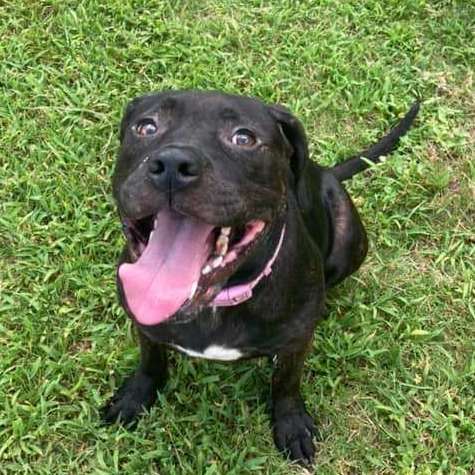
(324, 242)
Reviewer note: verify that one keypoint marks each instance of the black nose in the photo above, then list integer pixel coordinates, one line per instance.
(174, 168)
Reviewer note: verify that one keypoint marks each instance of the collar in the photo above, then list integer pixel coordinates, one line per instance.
(237, 294)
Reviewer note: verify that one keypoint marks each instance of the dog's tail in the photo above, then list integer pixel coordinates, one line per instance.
(386, 145)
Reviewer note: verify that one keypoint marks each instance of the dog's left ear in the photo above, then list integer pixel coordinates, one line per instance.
(294, 134)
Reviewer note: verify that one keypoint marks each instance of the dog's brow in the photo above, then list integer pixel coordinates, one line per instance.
(168, 103)
(229, 114)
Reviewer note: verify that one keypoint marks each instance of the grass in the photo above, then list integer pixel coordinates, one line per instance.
(391, 380)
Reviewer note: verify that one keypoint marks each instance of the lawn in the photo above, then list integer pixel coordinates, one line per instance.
(391, 379)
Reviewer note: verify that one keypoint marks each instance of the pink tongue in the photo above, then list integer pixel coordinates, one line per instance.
(162, 279)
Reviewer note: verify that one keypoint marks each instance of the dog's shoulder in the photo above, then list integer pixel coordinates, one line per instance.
(333, 222)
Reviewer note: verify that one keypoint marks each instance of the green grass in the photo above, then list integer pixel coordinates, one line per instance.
(391, 379)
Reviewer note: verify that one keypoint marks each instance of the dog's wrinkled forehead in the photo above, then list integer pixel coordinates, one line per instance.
(201, 110)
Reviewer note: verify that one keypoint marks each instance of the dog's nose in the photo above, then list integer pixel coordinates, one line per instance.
(175, 168)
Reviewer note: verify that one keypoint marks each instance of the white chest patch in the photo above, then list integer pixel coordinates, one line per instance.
(213, 352)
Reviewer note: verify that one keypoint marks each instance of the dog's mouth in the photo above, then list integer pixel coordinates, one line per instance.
(180, 263)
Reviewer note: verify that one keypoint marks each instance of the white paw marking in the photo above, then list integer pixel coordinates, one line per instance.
(213, 352)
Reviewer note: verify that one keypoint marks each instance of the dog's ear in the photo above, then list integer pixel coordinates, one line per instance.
(294, 134)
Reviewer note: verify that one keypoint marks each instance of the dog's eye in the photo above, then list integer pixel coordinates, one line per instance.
(243, 138)
(146, 127)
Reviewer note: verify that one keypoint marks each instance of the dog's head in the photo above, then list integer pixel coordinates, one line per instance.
(199, 181)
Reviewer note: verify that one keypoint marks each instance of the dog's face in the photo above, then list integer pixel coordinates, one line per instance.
(199, 180)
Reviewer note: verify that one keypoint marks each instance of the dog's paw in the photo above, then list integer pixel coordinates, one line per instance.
(293, 431)
(135, 396)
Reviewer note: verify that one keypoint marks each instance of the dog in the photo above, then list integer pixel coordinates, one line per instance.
(233, 238)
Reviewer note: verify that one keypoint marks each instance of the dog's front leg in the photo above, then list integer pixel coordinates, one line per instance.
(139, 392)
(292, 426)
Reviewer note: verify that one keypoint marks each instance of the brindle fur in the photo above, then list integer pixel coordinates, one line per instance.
(324, 242)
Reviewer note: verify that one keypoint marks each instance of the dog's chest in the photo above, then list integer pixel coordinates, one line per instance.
(212, 352)
(214, 336)
(213, 342)
(221, 335)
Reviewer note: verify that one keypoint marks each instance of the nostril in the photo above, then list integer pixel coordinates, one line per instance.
(188, 169)
(174, 168)
(157, 167)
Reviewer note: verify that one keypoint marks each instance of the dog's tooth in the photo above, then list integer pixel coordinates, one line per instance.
(222, 245)
(206, 269)
(193, 289)
(151, 234)
(226, 231)
(217, 262)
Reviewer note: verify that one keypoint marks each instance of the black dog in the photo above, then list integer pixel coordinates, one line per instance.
(233, 238)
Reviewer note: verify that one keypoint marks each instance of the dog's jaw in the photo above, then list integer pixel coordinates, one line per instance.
(180, 263)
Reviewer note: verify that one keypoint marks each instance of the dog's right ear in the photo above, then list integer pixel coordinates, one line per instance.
(295, 137)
